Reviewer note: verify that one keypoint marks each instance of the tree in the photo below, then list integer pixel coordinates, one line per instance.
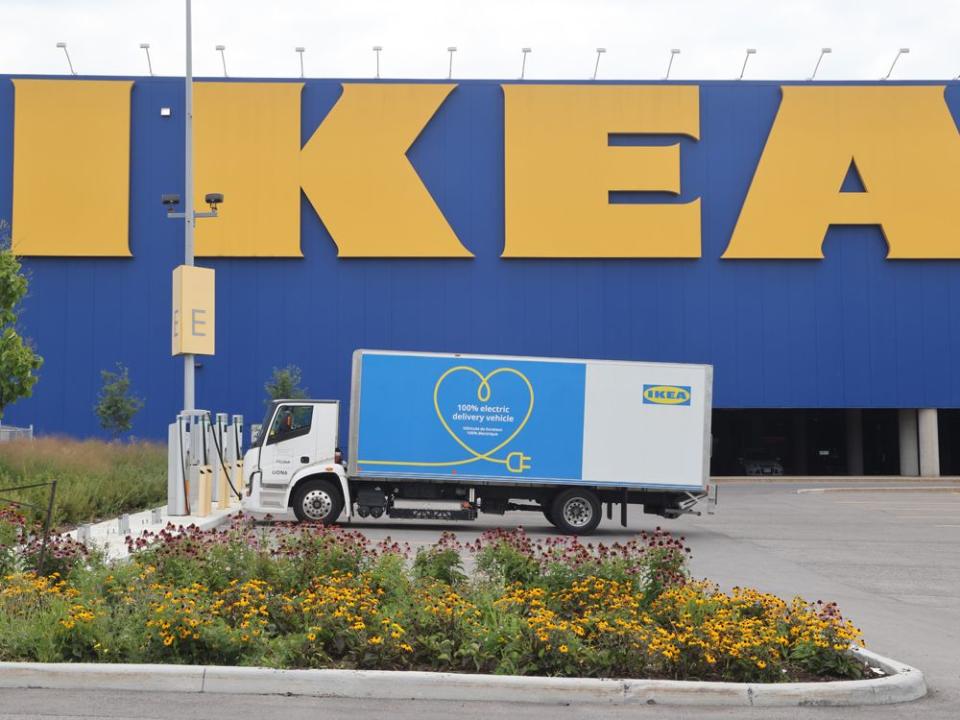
(18, 360)
(116, 406)
(284, 384)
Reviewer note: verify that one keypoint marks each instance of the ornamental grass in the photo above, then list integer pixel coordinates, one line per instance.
(326, 597)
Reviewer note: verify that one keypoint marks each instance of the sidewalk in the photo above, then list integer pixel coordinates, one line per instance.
(110, 535)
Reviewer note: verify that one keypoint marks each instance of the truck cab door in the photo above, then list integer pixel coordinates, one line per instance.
(289, 444)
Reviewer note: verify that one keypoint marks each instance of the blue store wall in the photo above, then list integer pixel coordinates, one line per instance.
(852, 330)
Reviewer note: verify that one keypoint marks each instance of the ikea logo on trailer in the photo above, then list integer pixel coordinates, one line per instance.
(666, 394)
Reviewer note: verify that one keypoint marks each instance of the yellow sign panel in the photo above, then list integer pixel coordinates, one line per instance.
(247, 146)
(905, 146)
(71, 168)
(560, 170)
(193, 321)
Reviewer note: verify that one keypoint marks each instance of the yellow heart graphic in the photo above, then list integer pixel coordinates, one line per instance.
(515, 462)
(483, 395)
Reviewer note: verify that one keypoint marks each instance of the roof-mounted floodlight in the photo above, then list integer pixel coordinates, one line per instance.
(750, 51)
(523, 64)
(673, 53)
(146, 48)
(901, 51)
(596, 65)
(823, 51)
(222, 49)
(63, 46)
(451, 50)
(300, 50)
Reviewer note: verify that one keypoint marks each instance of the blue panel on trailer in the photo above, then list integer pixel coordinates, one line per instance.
(852, 330)
(442, 417)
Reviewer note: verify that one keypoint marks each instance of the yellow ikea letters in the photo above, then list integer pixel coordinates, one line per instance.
(906, 148)
(72, 150)
(247, 146)
(356, 174)
(71, 168)
(560, 170)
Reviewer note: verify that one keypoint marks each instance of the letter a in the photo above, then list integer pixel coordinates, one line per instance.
(906, 148)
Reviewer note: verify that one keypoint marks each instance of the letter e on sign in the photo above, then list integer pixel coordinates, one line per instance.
(192, 320)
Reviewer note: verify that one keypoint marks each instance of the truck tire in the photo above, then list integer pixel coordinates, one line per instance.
(576, 511)
(317, 501)
(548, 511)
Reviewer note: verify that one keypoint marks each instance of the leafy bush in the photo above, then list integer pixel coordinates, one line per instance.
(284, 384)
(116, 405)
(312, 597)
(95, 479)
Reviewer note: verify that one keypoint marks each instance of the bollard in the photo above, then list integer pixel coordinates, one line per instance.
(224, 495)
(83, 533)
(204, 491)
(156, 516)
(123, 523)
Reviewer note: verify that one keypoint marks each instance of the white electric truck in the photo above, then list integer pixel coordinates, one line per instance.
(448, 436)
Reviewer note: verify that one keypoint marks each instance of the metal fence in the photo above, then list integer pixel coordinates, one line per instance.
(52, 484)
(9, 432)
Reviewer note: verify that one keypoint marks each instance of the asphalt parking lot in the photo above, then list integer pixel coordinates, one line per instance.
(889, 557)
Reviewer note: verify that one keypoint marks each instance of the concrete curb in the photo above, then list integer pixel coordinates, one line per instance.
(901, 684)
(818, 479)
(952, 490)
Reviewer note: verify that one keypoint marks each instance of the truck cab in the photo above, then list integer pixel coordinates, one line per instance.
(296, 451)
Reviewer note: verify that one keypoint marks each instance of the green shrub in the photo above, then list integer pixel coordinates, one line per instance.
(117, 405)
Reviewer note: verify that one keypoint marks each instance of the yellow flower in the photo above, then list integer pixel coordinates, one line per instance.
(311, 637)
(563, 648)
(375, 640)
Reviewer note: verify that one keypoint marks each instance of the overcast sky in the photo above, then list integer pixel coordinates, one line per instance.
(260, 35)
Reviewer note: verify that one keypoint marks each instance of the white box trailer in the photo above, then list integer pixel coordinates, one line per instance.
(448, 436)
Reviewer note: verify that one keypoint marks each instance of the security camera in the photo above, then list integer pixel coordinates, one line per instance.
(170, 201)
(213, 199)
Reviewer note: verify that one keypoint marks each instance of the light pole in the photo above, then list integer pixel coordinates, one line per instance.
(300, 51)
(63, 46)
(596, 66)
(146, 48)
(523, 64)
(673, 53)
(823, 51)
(376, 51)
(222, 49)
(188, 215)
(901, 51)
(452, 49)
(750, 51)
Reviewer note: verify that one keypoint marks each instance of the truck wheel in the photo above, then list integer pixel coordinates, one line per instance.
(576, 511)
(548, 512)
(317, 501)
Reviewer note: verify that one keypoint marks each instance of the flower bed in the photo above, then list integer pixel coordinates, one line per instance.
(313, 597)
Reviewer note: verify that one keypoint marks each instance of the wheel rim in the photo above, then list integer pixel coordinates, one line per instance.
(577, 512)
(317, 504)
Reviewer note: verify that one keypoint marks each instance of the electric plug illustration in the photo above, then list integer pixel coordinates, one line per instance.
(517, 462)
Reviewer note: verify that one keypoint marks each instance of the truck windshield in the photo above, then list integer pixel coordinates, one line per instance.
(264, 426)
